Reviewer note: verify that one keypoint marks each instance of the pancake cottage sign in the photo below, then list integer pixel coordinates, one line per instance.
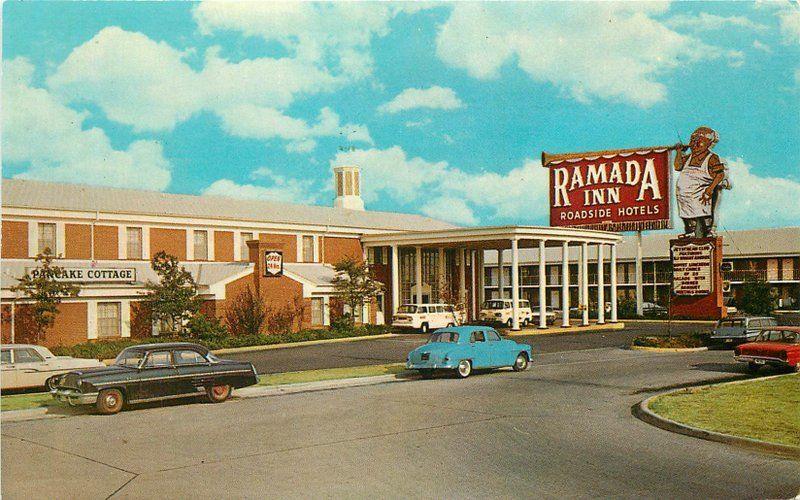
(89, 274)
(616, 190)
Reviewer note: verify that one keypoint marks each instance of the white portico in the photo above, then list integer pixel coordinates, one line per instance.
(428, 265)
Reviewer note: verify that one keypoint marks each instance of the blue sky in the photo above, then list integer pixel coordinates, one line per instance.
(446, 107)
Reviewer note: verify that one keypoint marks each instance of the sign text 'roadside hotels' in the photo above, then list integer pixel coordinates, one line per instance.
(614, 190)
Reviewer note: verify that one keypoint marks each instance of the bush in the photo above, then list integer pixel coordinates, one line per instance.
(626, 309)
(247, 315)
(202, 327)
(685, 340)
(756, 298)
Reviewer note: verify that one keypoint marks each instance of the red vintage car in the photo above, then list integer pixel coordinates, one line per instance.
(777, 346)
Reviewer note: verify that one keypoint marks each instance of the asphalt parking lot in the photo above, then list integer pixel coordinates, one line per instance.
(561, 429)
(395, 350)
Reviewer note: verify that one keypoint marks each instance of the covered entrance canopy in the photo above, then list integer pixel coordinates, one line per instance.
(468, 245)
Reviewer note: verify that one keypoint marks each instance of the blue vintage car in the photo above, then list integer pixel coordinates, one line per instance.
(464, 348)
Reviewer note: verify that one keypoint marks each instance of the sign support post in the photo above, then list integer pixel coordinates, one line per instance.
(639, 276)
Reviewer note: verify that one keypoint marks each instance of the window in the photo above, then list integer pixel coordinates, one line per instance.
(157, 359)
(317, 311)
(444, 337)
(134, 242)
(108, 319)
(308, 249)
(201, 245)
(129, 357)
(492, 336)
(245, 249)
(47, 237)
(339, 183)
(478, 337)
(188, 357)
(348, 183)
(5, 356)
(26, 356)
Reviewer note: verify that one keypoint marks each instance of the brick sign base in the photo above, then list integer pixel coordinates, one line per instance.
(709, 306)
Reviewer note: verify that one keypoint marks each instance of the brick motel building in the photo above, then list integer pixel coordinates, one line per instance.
(105, 238)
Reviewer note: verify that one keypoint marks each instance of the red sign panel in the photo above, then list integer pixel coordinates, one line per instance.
(273, 263)
(613, 190)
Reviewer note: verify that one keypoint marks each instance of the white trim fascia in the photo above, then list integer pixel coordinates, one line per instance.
(469, 235)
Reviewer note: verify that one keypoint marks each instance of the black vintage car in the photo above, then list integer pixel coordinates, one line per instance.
(155, 372)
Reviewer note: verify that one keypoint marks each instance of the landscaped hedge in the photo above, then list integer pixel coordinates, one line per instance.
(109, 349)
(684, 340)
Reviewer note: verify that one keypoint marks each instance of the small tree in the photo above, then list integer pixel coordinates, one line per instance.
(756, 297)
(174, 297)
(247, 315)
(45, 292)
(354, 284)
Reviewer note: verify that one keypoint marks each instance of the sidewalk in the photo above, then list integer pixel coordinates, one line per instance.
(554, 329)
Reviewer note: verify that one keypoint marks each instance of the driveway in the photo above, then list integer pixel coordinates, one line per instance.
(561, 429)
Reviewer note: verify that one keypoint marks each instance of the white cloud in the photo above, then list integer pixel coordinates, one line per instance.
(418, 123)
(280, 188)
(450, 209)
(789, 19)
(757, 44)
(148, 85)
(614, 51)
(433, 98)
(755, 201)
(49, 137)
(705, 22)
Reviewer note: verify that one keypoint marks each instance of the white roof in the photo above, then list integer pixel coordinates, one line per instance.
(58, 196)
(316, 274)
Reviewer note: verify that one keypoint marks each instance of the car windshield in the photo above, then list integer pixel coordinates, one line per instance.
(408, 309)
(443, 337)
(129, 357)
(778, 336)
(493, 304)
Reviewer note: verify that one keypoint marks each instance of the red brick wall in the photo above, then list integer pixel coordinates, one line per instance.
(287, 243)
(69, 327)
(172, 241)
(336, 249)
(223, 246)
(15, 240)
(106, 240)
(141, 321)
(77, 241)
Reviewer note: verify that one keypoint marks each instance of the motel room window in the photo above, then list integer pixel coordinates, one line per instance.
(317, 311)
(47, 237)
(339, 183)
(201, 245)
(308, 249)
(134, 242)
(108, 319)
(245, 250)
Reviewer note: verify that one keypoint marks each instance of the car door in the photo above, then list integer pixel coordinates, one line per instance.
(9, 377)
(753, 326)
(30, 368)
(479, 351)
(157, 377)
(498, 353)
(194, 371)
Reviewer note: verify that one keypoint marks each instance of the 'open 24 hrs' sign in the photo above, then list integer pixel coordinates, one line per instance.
(273, 263)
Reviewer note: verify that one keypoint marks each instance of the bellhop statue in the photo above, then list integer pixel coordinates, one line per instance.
(702, 176)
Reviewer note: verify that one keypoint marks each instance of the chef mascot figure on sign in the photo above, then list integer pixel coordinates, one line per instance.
(702, 176)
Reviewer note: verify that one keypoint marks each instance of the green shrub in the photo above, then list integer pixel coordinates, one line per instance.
(684, 340)
(756, 298)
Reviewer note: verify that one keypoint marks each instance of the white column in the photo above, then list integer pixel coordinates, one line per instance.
(91, 319)
(440, 285)
(514, 285)
(418, 274)
(462, 277)
(326, 311)
(395, 279)
(33, 238)
(500, 279)
(542, 285)
(601, 285)
(585, 282)
(146, 242)
(639, 277)
(190, 244)
(122, 242)
(61, 240)
(565, 284)
(613, 283)
(473, 283)
(237, 246)
(125, 320)
(210, 245)
(580, 276)
(481, 279)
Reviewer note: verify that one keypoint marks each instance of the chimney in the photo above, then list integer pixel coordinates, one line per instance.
(347, 181)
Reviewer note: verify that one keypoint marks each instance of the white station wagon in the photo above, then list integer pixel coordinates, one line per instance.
(425, 317)
(499, 311)
(26, 365)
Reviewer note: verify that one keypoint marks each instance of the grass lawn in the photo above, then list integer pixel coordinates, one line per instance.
(43, 399)
(768, 410)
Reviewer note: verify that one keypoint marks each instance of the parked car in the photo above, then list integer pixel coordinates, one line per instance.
(777, 346)
(425, 317)
(25, 366)
(499, 311)
(549, 315)
(738, 330)
(155, 372)
(464, 348)
(654, 310)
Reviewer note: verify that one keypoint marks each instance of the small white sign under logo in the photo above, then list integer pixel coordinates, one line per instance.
(691, 269)
(273, 263)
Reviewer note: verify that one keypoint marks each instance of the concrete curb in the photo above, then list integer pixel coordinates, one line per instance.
(643, 413)
(666, 349)
(694, 321)
(568, 329)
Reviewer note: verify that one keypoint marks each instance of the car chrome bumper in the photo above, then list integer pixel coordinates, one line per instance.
(762, 360)
(430, 366)
(74, 397)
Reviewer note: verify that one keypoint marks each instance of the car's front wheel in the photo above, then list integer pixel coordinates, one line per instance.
(509, 323)
(464, 368)
(424, 328)
(52, 382)
(753, 367)
(110, 401)
(218, 393)
(521, 363)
